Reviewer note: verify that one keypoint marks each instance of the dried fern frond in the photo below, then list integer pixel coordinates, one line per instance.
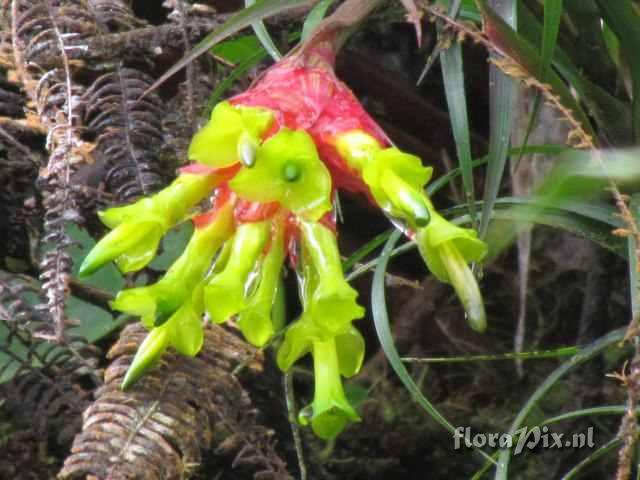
(160, 428)
(128, 131)
(43, 33)
(116, 15)
(50, 384)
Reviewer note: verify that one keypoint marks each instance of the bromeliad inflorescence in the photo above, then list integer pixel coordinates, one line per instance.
(268, 163)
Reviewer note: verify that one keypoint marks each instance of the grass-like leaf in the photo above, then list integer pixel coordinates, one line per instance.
(383, 330)
(589, 352)
(237, 22)
(535, 355)
(502, 94)
(315, 16)
(263, 35)
(552, 17)
(622, 18)
(594, 456)
(453, 75)
(632, 247)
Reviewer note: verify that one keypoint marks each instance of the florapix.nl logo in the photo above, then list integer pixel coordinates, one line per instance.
(523, 438)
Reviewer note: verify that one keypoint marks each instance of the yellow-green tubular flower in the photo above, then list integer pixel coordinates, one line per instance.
(289, 171)
(332, 302)
(225, 295)
(138, 228)
(183, 331)
(330, 408)
(332, 356)
(448, 249)
(156, 303)
(395, 179)
(256, 320)
(233, 133)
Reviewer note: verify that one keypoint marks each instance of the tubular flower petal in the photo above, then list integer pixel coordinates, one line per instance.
(333, 301)
(255, 320)
(289, 171)
(298, 341)
(225, 295)
(155, 303)
(230, 135)
(183, 331)
(447, 249)
(149, 352)
(138, 228)
(330, 408)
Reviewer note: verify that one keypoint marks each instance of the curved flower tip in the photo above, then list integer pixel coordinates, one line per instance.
(447, 250)
(289, 171)
(183, 331)
(396, 180)
(149, 352)
(138, 228)
(131, 245)
(331, 411)
(225, 295)
(230, 135)
(165, 297)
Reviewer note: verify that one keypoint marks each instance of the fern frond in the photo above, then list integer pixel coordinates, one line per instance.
(162, 426)
(50, 385)
(128, 131)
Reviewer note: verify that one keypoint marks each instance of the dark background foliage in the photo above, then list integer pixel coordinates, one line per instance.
(76, 137)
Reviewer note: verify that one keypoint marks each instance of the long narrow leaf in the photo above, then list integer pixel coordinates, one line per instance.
(502, 94)
(622, 18)
(383, 330)
(552, 16)
(237, 22)
(634, 285)
(589, 352)
(315, 17)
(453, 75)
(263, 35)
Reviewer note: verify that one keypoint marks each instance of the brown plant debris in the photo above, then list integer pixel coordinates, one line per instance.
(163, 426)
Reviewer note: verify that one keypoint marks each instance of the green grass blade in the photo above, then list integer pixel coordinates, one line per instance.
(552, 17)
(365, 250)
(592, 458)
(239, 70)
(634, 286)
(453, 75)
(383, 330)
(588, 412)
(263, 35)
(535, 355)
(315, 17)
(502, 94)
(237, 22)
(622, 18)
(588, 352)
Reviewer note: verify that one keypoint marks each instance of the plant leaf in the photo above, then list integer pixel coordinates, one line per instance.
(589, 352)
(453, 74)
(502, 93)
(315, 17)
(237, 22)
(622, 18)
(383, 330)
(263, 35)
